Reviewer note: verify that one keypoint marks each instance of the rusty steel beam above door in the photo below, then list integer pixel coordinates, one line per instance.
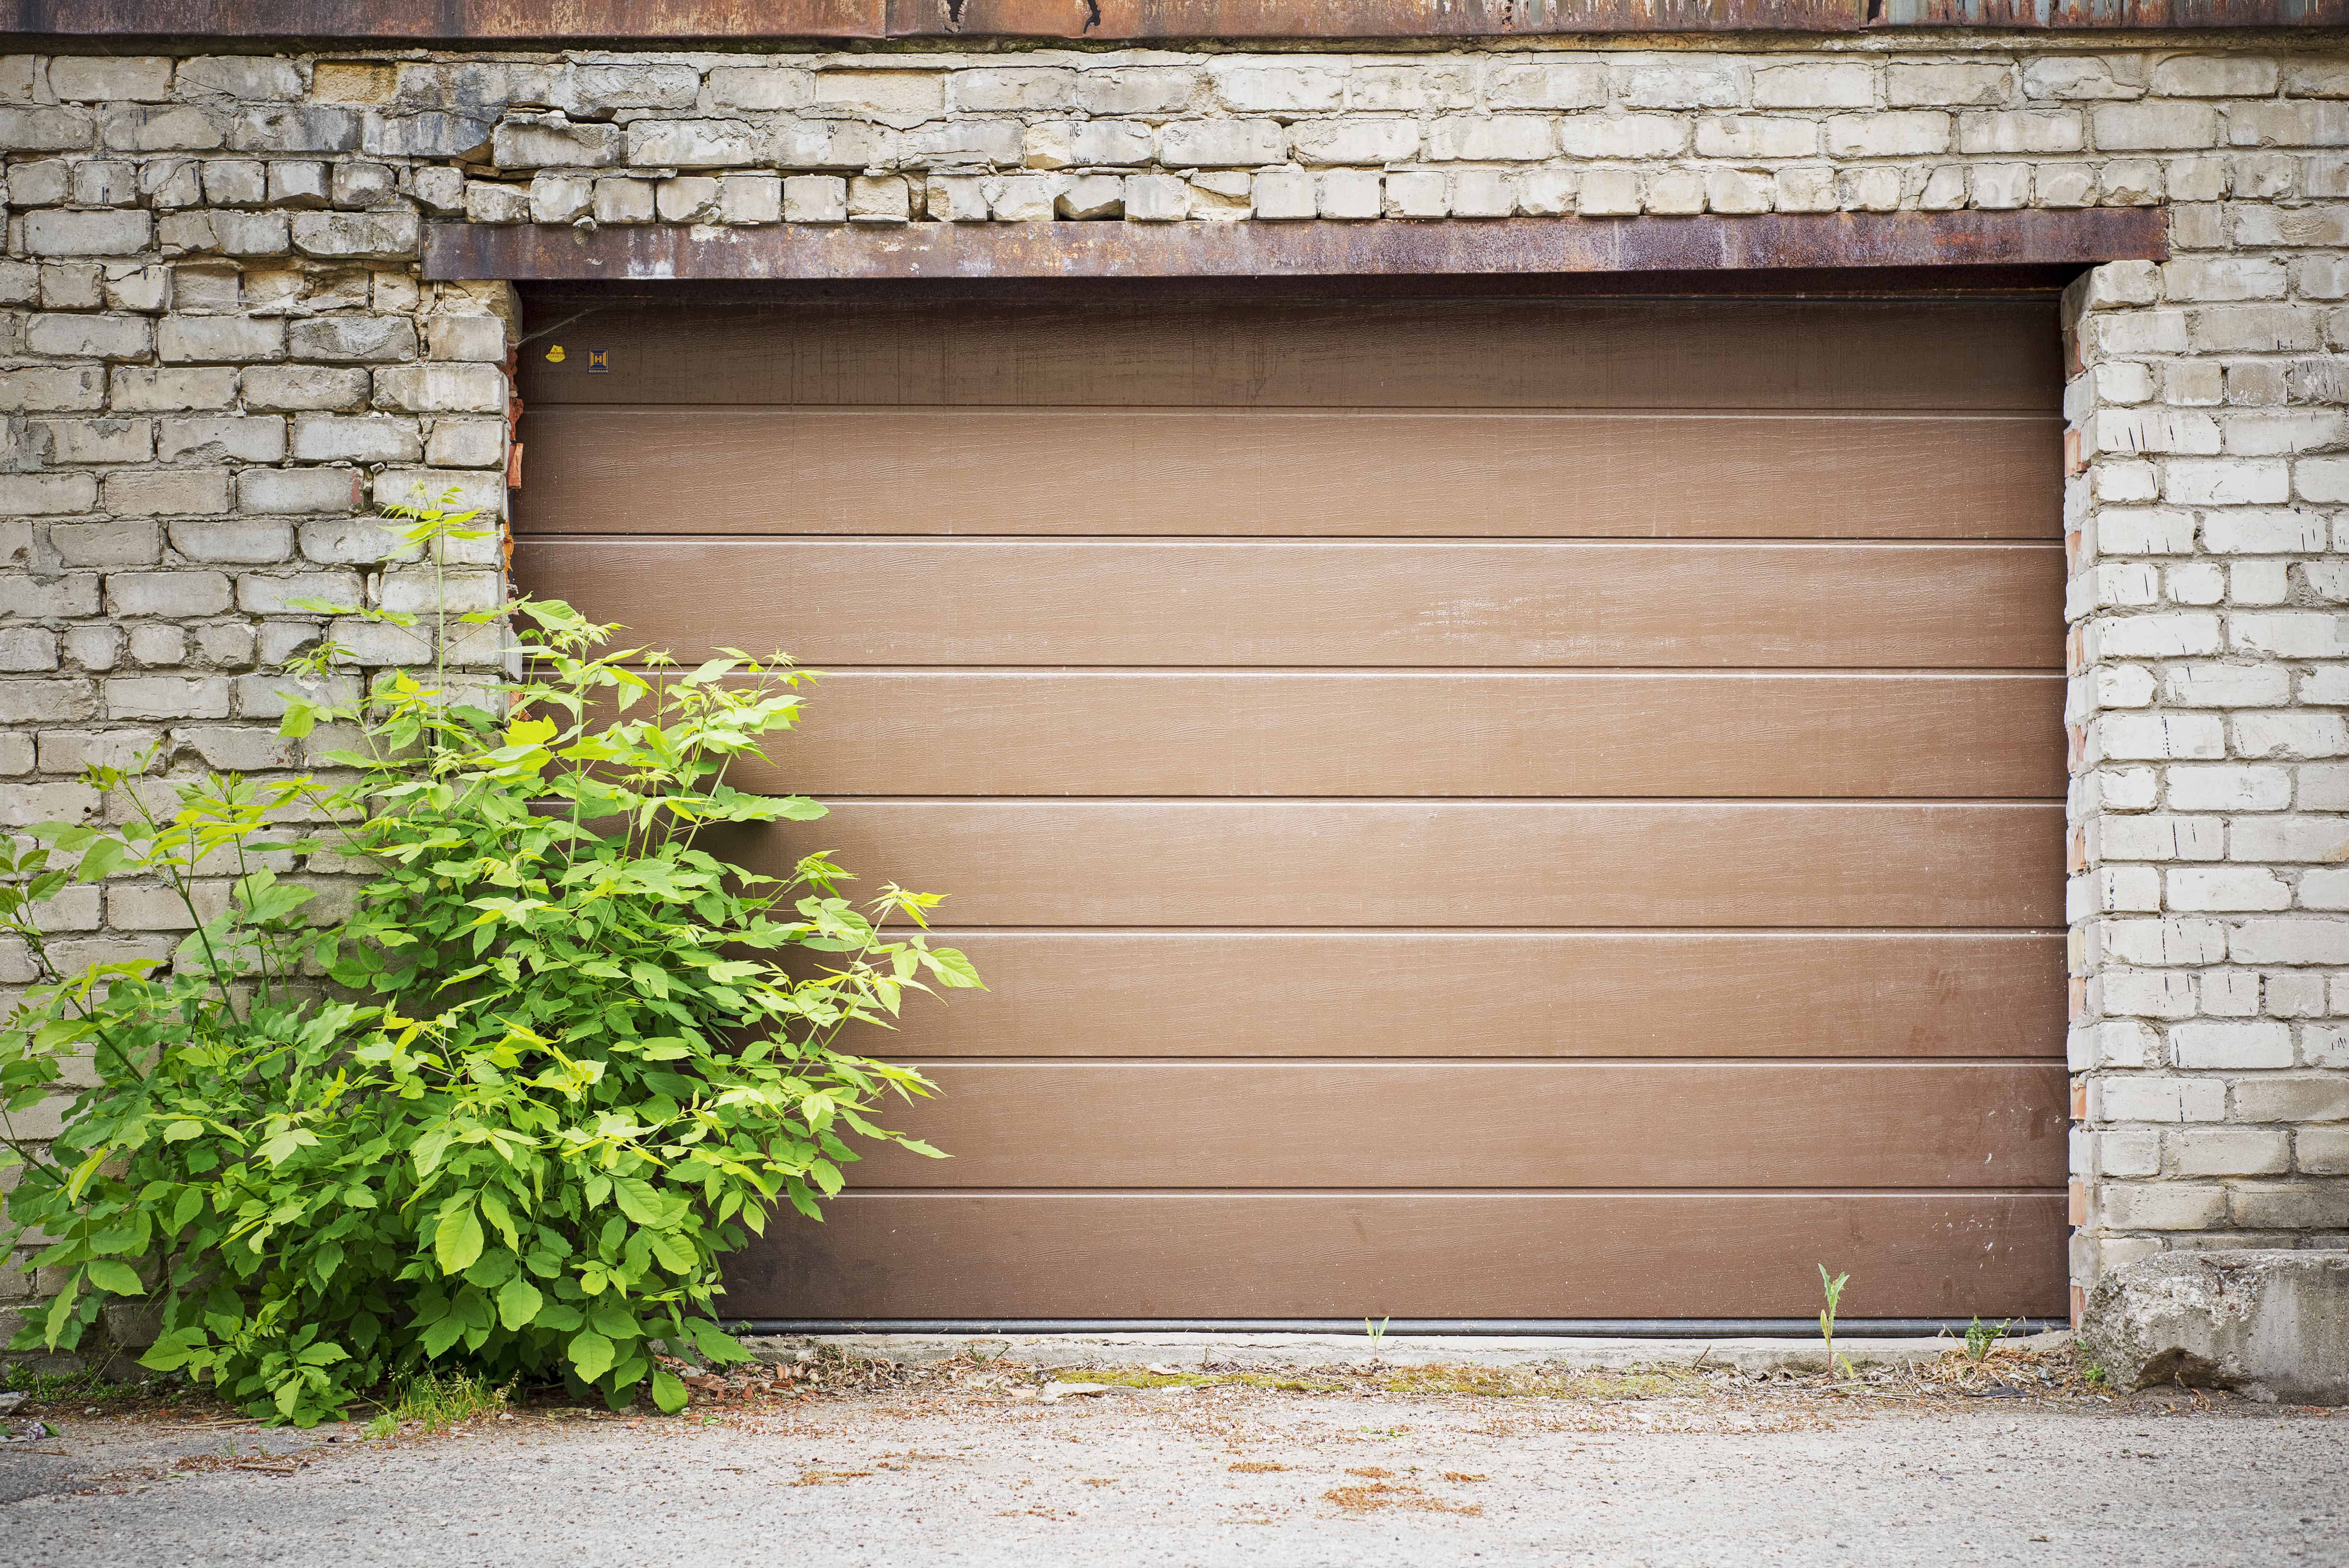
(687, 21)
(2089, 15)
(1520, 247)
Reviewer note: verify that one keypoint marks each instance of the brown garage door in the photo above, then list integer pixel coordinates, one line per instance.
(1470, 808)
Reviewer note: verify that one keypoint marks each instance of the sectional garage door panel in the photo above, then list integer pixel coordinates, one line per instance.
(1394, 733)
(1260, 994)
(1750, 357)
(1486, 809)
(1349, 604)
(1269, 1255)
(1453, 863)
(1477, 1125)
(1293, 471)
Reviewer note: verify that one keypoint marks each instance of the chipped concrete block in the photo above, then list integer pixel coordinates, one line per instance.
(750, 199)
(621, 200)
(2271, 1324)
(824, 199)
(1350, 193)
(693, 143)
(1092, 196)
(1155, 198)
(879, 199)
(554, 141)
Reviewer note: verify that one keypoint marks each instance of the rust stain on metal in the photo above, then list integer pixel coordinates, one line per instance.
(2112, 14)
(1363, 18)
(1316, 249)
(454, 20)
(743, 20)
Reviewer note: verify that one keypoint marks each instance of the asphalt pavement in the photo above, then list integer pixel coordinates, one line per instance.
(1001, 1470)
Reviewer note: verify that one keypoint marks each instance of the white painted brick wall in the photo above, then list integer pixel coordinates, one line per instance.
(210, 353)
(2205, 692)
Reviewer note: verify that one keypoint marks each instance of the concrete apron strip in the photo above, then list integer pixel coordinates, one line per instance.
(1307, 1351)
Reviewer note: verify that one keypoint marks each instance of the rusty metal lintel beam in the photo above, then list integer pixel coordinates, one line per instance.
(1519, 246)
(683, 21)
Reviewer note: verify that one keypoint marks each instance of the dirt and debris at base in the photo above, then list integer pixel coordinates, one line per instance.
(2005, 1371)
(824, 1376)
(858, 1462)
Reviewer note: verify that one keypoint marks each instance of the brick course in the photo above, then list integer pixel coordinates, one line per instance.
(216, 356)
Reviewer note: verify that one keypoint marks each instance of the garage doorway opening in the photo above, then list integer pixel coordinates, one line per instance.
(1511, 806)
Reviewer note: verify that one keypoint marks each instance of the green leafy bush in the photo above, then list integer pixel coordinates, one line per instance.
(509, 1111)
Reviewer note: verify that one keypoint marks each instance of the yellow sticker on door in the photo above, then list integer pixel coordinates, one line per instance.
(555, 356)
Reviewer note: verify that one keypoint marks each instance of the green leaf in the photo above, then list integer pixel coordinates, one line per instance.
(440, 1336)
(614, 1321)
(427, 1152)
(639, 1201)
(112, 1273)
(717, 1345)
(493, 1268)
(103, 856)
(954, 971)
(590, 1354)
(667, 1392)
(518, 1302)
(60, 1312)
(173, 1350)
(494, 1207)
(457, 1240)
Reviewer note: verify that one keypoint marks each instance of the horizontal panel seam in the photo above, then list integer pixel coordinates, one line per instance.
(1762, 540)
(1889, 931)
(1447, 672)
(1080, 798)
(1260, 1060)
(1747, 673)
(1644, 414)
(1562, 802)
(1806, 543)
(1707, 1194)
(1864, 933)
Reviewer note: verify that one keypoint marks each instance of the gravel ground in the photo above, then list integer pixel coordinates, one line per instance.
(991, 1465)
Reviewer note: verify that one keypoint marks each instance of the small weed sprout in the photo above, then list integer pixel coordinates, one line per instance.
(1833, 1290)
(2096, 1376)
(1376, 1332)
(1982, 1337)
